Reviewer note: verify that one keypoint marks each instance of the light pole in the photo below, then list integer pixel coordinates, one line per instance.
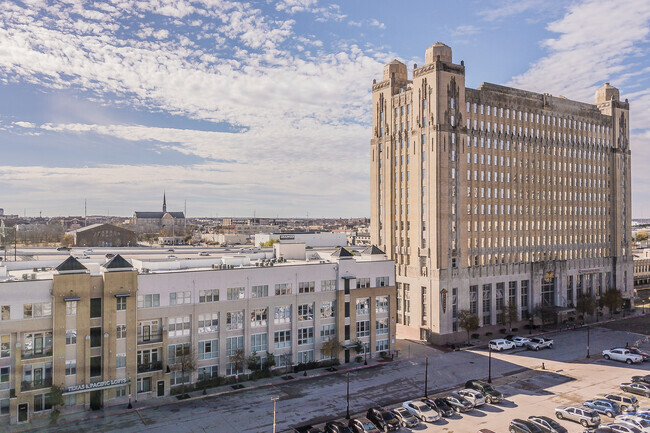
(588, 341)
(426, 377)
(274, 400)
(489, 364)
(347, 398)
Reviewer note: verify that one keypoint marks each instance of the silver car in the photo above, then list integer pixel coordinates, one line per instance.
(406, 419)
(473, 396)
(581, 414)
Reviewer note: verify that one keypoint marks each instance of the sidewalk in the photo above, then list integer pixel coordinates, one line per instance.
(41, 422)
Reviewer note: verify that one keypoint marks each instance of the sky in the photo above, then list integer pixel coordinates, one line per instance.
(264, 107)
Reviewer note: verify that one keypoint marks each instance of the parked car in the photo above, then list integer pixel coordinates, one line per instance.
(623, 355)
(638, 413)
(581, 414)
(604, 406)
(484, 430)
(639, 422)
(337, 427)
(421, 411)
(204, 253)
(307, 429)
(519, 341)
(170, 250)
(473, 396)
(88, 251)
(491, 395)
(645, 378)
(639, 388)
(440, 405)
(63, 248)
(637, 351)
(523, 426)
(405, 417)
(363, 425)
(501, 344)
(547, 425)
(622, 427)
(458, 403)
(537, 343)
(171, 256)
(627, 403)
(383, 419)
(109, 255)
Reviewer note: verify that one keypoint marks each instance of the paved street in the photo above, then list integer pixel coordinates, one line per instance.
(320, 399)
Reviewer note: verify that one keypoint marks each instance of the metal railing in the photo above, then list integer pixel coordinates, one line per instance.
(152, 366)
(156, 337)
(29, 354)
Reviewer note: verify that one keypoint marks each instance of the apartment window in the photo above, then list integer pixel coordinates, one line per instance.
(42, 402)
(327, 332)
(381, 304)
(119, 392)
(96, 336)
(259, 343)
(383, 281)
(180, 298)
(232, 369)
(71, 367)
(4, 406)
(363, 306)
(305, 336)
(148, 359)
(95, 366)
(208, 349)
(473, 299)
(179, 326)
(179, 377)
(381, 345)
(306, 312)
(363, 328)
(306, 287)
(259, 317)
(306, 356)
(207, 373)
(327, 285)
(144, 385)
(234, 320)
(5, 377)
(259, 291)
(382, 326)
(176, 353)
(71, 400)
(211, 295)
(70, 308)
(524, 296)
(121, 303)
(71, 336)
(121, 331)
(208, 323)
(120, 360)
(282, 339)
(5, 346)
(149, 301)
(487, 302)
(363, 283)
(327, 309)
(34, 311)
(282, 289)
(95, 307)
(282, 314)
(235, 293)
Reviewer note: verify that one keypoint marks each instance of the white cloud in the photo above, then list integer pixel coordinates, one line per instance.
(25, 124)
(376, 23)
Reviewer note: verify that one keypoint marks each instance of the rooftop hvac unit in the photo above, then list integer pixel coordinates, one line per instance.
(33, 276)
(24, 276)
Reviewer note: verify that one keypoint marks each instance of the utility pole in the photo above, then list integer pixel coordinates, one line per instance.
(274, 399)
(347, 410)
(426, 377)
(588, 341)
(489, 364)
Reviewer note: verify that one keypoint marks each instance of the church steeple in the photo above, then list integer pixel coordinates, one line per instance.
(164, 202)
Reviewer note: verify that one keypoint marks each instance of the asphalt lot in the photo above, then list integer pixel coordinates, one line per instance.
(320, 399)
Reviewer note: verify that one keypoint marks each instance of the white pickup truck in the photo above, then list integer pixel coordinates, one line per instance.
(623, 355)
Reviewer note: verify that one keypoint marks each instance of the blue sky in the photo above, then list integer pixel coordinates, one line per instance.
(264, 106)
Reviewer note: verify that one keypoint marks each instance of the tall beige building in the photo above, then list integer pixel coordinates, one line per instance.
(495, 195)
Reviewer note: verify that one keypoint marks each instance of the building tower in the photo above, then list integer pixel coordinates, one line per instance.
(164, 202)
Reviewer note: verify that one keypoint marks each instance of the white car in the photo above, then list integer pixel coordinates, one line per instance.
(421, 411)
(639, 422)
(622, 355)
(473, 396)
(621, 427)
(501, 344)
(520, 341)
(204, 253)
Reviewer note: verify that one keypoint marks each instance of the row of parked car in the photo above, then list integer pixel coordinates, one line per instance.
(624, 409)
(513, 341)
(413, 412)
(629, 355)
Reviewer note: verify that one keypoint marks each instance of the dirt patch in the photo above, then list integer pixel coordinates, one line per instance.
(639, 324)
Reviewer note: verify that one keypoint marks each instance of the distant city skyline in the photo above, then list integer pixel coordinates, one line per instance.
(263, 107)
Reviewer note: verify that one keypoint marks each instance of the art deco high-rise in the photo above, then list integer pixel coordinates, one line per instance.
(491, 196)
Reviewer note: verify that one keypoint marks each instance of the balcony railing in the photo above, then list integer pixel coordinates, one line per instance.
(150, 338)
(32, 355)
(28, 386)
(152, 366)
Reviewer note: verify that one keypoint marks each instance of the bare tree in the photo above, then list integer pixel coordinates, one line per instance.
(586, 304)
(186, 364)
(238, 358)
(332, 347)
(545, 313)
(613, 300)
(508, 315)
(468, 321)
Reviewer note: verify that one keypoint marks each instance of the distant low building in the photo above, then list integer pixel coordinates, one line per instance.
(104, 235)
(311, 239)
(225, 238)
(155, 221)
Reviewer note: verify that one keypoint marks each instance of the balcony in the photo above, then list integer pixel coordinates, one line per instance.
(43, 383)
(29, 354)
(150, 338)
(152, 366)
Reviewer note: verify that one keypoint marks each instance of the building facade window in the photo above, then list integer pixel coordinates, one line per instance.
(327, 285)
(235, 293)
(383, 281)
(381, 326)
(259, 343)
(363, 283)
(282, 314)
(120, 332)
(234, 320)
(259, 317)
(260, 291)
(208, 349)
(120, 360)
(363, 306)
(306, 356)
(177, 352)
(120, 303)
(70, 308)
(306, 287)
(327, 309)
(363, 328)
(211, 295)
(282, 339)
(95, 308)
(149, 301)
(233, 344)
(38, 310)
(306, 312)
(327, 332)
(71, 367)
(282, 289)
(305, 336)
(71, 336)
(381, 304)
(179, 326)
(208, 323)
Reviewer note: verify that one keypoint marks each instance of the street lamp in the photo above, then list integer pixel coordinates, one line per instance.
(274, 400)
(489, 364)
(347, 409)
(130, 406)
(588, 341)
(426, 377)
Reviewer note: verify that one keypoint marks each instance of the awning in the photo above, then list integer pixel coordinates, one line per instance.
(122, 295)
(71, 298)
(348, 277)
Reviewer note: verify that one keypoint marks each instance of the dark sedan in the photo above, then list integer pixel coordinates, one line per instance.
(440, 405)
(458, 403)
(337, 427)
(645, 378)
(383, 419)
(491, 395)
(637, 351)
(639, 388)
(547, 425)
(523, 426)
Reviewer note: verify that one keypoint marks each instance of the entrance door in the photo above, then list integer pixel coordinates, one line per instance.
(347, 355)
(95, 400)
(161, 388)
(22, 412)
